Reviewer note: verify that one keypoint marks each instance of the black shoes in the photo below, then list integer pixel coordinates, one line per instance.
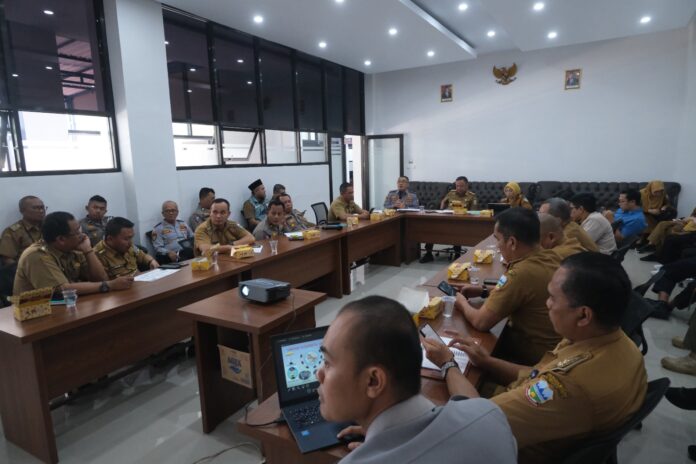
(646, 248)
(651, 257)
(426, 258)
(692, 452)
(456, 256)
(683, 398)
(661, 309)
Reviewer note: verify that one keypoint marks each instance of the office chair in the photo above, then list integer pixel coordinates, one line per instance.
(602, 449)
(321, 213)
(626, 245)
(632, 324)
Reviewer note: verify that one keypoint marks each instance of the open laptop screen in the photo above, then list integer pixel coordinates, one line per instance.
(297, 358)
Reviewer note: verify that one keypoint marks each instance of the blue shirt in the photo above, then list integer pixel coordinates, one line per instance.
(633, 222)
(166, 236)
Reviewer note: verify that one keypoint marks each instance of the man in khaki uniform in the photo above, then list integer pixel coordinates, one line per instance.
(344, 206)
(560, 209)
(552, 237)
(520, 294)
(274, 224)
(294, 218)
(65, 259)
(117, 253)
(468, 200)
(218, 233)
(17, 238)
(95, 222)
(589, 385)
(206, 196)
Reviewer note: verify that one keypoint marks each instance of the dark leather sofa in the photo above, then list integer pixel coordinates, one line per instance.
(607, 193)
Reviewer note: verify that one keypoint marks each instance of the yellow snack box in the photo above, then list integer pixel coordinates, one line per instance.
(458, 271)
(459, 211)
(456, 204)
(389, 212)
(375, 216)
(433, 309)
(242, 251)
(483, 256)
(32, 304)
(352, 220)
(486, 213)
(200, 264)
(310, 234)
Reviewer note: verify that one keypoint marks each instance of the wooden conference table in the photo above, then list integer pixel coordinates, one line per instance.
(279, 446)
(43, 358)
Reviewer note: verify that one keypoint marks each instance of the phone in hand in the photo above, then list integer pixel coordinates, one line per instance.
(428, 332)
(490, 282)
(446, 288)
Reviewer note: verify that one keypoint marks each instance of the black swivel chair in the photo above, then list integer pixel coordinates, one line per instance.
(626, 245)
(321, 213)
(632, 324)
(602, 449)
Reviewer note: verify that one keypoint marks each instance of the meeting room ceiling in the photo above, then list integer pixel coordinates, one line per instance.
(401, 34)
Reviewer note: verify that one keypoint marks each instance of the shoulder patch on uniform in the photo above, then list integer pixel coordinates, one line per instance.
(555, 383)
(15, 227)
(502, 281)
(539, 393)
(569, 363)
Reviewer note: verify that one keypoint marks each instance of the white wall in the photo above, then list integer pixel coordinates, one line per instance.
(686, 159)
(625, 123)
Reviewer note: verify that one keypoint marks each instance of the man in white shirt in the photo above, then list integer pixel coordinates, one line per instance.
(583, 210)
(371, 375)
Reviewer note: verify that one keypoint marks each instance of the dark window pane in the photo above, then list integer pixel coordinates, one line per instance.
(187, 64)
(353, 101)
(236, 84)
(276, 87)
(53, 59)
(310, 109)
(334, 97)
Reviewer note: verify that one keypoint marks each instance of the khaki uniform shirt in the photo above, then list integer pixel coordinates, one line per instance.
(569, 247)
(198, 217)
(44, 266)
(523, 203)
(469, 199)
(579, 389)
(521, 295)
(265, 230)
(17, 238)
(296, 221)
(94, 229)
(121, 264)
(573, 230)
(207, 234)
(339, 206)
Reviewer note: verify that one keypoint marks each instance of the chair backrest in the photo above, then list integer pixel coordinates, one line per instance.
(632, 324)
(626, 245)
(321, 212)
(599, 449)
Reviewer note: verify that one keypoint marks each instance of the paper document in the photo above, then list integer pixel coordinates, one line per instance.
(461, 357)
(155, 274)
(408, 210)
(295, 235)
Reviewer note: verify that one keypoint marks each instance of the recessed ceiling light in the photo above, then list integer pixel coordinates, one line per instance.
(15, 75)
(249, 82)
(552, 35)
(393, 31)
(258, 19)
(491, 33)
(645, 19)
(240, 61)
(322, 44)
(339, 1)
(190, 91)
(166, 42)
(462, 7)
(192, 69)
(48, 12)
(538, 6)
(49, 67)
(368, 62)
(431, 53)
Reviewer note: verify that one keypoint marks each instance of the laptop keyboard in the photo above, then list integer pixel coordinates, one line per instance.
(307, 415)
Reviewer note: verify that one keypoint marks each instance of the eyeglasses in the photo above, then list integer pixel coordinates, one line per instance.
(170, 210)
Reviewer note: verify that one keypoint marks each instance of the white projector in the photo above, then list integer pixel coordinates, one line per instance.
(264, 290)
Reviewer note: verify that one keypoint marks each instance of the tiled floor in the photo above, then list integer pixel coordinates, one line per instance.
(153, 415)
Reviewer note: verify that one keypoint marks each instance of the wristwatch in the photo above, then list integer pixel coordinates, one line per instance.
(485, 292)
(445, 367)
(104, 287)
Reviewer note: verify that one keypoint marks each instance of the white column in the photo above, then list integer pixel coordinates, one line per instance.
(685, 172)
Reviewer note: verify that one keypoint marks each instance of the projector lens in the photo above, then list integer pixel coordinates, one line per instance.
(245, 291)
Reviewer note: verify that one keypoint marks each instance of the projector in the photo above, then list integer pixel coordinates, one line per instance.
(264, 290)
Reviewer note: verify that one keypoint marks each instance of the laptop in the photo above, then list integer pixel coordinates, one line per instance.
(498, 207)
(297, 359)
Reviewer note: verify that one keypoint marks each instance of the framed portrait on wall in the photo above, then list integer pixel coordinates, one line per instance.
(572, 79)
(446, 93)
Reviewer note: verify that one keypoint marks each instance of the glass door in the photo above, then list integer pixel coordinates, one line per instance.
(336, 157)
(384, 165)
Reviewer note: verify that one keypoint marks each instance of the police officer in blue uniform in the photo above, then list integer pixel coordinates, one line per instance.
(171, 236)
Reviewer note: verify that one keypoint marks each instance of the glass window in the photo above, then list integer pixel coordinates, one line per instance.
(312, 147)
(63, 142)
(310, 108)
(241, 146)
(8, 153)
(195, 145)
(236, 77)
(281, 147)
(52, 60)
(334, 97)
(353, 92)
(187, 65)
(275, 76)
